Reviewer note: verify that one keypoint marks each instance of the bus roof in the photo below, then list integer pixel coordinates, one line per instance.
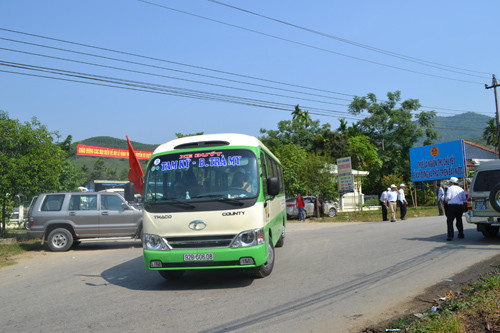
(211, 140)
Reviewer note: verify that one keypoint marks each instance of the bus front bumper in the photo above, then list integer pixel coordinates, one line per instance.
(187, 259)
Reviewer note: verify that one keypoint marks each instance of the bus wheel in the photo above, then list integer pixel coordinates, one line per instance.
(267, 267)
(171, 275)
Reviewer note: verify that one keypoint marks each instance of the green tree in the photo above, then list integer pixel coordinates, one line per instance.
(300, 131)
(180, 135)
(393, 129)
(30, 162)
(330, 144)
(99, 171)
(301, 116)
(304, 172)
(292, 159)
(490, 133)
(291, 131)
(364, 155)
(306, 149)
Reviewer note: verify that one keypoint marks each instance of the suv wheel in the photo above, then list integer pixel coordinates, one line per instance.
(60, 240)
(495, 198)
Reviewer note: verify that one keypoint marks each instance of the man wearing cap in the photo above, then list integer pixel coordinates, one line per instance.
(383, 203)
(392, 198)
(455, 196)
(402, 201)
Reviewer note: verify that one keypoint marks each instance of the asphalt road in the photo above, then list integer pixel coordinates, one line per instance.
(327, 278)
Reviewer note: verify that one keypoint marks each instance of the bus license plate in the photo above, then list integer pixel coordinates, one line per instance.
(480, 205)
(198, 257)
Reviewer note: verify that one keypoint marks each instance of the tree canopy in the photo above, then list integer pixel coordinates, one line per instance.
(31, 162)
(379, 143)
(393, 126)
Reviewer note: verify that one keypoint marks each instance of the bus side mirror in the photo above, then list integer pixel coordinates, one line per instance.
(129, 192)
(273, 186)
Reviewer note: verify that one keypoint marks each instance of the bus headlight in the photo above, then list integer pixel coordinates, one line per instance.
(155, 243)
(249, 238)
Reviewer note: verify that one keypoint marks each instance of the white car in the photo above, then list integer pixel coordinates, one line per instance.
(328, 208)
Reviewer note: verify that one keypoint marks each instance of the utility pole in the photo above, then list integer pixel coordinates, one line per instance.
(494, 85)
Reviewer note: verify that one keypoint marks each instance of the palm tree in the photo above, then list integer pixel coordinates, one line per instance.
(490, 133)
(301, 116)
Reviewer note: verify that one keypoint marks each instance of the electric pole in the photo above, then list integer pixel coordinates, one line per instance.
(494, 85)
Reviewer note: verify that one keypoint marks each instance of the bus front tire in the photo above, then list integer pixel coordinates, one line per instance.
(266, 268)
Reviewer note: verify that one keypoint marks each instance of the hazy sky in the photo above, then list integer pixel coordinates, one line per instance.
(150, 69)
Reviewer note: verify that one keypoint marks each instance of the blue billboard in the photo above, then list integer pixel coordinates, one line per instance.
(439, 161)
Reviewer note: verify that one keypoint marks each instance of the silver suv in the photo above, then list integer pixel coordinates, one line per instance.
(483, 200)
(66, 219)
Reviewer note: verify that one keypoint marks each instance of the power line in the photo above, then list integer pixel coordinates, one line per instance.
(181, 79)
(375, 49)
(176, 63)
(150, 87)
(308, 45)
(185, 72)
(107, 81)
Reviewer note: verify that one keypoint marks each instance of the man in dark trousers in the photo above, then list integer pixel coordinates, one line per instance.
(455, 196)
(383, 203)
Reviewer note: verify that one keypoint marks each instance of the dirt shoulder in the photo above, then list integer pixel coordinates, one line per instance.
(429, 297)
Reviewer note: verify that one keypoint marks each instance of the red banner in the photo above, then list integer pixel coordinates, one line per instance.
(110, 152)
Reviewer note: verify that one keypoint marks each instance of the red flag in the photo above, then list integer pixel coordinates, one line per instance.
(135, 172)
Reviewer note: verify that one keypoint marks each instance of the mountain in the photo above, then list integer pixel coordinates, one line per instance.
(466, 126)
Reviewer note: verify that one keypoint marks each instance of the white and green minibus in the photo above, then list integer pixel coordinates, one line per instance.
(210, 202)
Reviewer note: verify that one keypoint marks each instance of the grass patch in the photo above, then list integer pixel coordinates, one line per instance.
(475, 309)
(374, 215)
(22, 244)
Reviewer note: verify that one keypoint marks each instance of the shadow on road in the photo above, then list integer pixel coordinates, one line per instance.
(472, 237)
(105, 245)
(133, 275)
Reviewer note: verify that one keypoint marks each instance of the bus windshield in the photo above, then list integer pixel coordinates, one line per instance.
(202, 176)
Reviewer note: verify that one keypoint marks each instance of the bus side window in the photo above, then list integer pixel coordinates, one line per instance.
(263, 173)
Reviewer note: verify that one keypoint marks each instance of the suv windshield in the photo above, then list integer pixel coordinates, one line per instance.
(202, 176)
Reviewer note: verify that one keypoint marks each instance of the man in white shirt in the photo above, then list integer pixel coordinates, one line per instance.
(440, 200)
(402, 201)
(455, 197)
(392, 198)
(383, 203)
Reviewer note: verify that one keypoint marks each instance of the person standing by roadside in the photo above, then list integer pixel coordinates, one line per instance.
(392, 198)
(440, 200)
(300, 207)
(383, 203)
(455, 196)
(402, 201)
